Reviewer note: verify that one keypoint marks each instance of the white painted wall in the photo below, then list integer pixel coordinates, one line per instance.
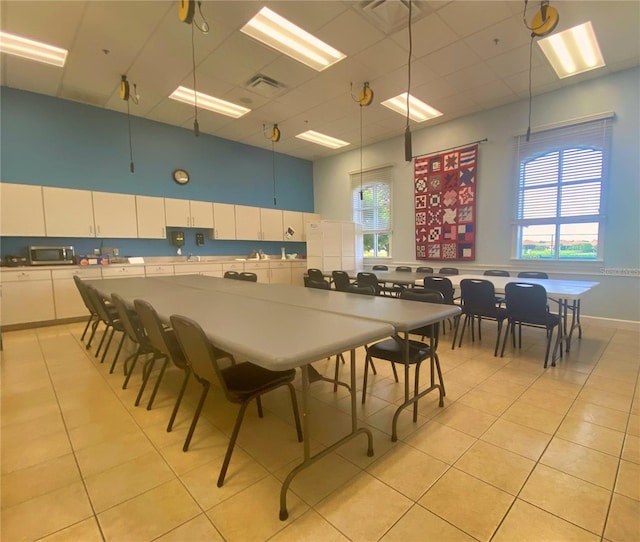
(619, 295)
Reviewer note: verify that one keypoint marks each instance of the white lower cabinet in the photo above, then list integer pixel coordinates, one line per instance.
(158, 270)
(27, 296)
(279, 272)
(261, 269)
(298, 271)
(68, 302)
(119, 271)
(208, 269)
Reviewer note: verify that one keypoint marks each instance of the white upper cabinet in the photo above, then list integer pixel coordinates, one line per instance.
(248, 222)
(21, 210)
(201, 214)
(271, 225)
(151, 220)
(188, 214)
(293, 220)
(68, 212)
(224, 221)
(115, 215)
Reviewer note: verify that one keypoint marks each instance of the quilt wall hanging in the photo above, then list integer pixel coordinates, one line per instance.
(445, 204)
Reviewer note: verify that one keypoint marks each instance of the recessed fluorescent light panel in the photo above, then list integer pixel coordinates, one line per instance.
(32, 50)
(418, 110)
(321, 139)
(573, 51)
(188, 96)
(275, 31)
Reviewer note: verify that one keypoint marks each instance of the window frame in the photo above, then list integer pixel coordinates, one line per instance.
(361, 180)
(591, 133)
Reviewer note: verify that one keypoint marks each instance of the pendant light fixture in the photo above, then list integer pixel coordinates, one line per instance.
(408, 154)
(364, 99)
(187, 14)
(274, 136)
(544, 22)
(125, 94)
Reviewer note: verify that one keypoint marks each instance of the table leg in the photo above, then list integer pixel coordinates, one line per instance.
(306, 430)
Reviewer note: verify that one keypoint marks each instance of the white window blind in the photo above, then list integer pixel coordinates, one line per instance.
(373, 208)
(561, 184)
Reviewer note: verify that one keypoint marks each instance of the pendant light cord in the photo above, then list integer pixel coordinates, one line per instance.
(409, 65)
(273, 166)
(196, 127)
(530, 93)
(361, 192)
(131, 165)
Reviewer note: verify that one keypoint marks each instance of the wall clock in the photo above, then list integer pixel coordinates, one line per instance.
(181, 176)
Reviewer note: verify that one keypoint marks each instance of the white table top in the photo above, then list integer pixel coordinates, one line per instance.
(401, 314)
(564, 289)
(273, 335)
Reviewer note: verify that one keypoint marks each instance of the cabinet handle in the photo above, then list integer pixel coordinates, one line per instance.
(188, 221)
(215, 233)
(164, 232)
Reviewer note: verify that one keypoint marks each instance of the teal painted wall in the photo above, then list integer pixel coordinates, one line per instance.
(52, 142)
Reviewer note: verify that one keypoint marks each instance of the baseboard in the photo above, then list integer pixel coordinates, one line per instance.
(629, 325)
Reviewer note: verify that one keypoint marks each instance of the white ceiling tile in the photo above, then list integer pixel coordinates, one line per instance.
(339, 33)
(509, 33)
(427, 35)
(451, 58)
(466, 18)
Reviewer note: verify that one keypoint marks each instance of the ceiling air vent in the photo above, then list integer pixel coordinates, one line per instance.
(265, 86)
(392, 15)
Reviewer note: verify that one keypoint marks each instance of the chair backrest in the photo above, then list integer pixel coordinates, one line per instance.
(99, 305)
(130, 321)
(341, 280)
(424, 269)
(86, 298)
(532, 275)
(526, 302)
(496, 273)
(368, 279)
(317, 284)
(159, 338)
(380, 267)
(478, 297)
(449, 271)
(315, 274)
(362, 290)
(198, 351)
(403, 269)
(248, 276)
(231, 275)
(442, 285)
(425, 296)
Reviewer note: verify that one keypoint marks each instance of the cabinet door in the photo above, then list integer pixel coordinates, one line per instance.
(298, 271)
(27, 296)
(68, 212)
(177, 212)
(293, 220)
(151, 220)
(67, 299)
(279, 272)
(271, 225)
(115, 215)
(201, 214)
(21, 210)
(247, 223)
(224, 221)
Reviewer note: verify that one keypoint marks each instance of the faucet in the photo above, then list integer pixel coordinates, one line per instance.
(189, 256)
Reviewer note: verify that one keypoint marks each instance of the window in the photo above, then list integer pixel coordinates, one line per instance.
(562, 176)
(371, 196)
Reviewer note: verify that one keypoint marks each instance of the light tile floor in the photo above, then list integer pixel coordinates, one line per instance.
(517, 453)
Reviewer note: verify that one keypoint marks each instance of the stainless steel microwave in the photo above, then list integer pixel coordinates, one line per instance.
(51, 255)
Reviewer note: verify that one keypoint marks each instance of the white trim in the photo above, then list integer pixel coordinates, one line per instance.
(568, 122)
(611, 323)
(371, 168)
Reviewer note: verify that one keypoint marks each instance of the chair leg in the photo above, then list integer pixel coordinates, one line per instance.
(106, 348)
(232, 443)
(364, 381)
(196, 415)
(146, 372)
(155, 388)
(94, 326)
(259, 403)
(128, 373)
(495, 350)
(176, 407)
(436, 361)
(86, 327)
(455, 331)
(506, 336)
(416, 390)
(296, 412)
(395, 373)
(115, 358)
(337, 371)
(104, 336)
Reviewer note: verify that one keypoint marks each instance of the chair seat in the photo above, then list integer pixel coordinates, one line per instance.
(549, 321)
(393, 350)
(246, 379)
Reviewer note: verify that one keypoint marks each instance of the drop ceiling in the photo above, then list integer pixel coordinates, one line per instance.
(467, 56)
